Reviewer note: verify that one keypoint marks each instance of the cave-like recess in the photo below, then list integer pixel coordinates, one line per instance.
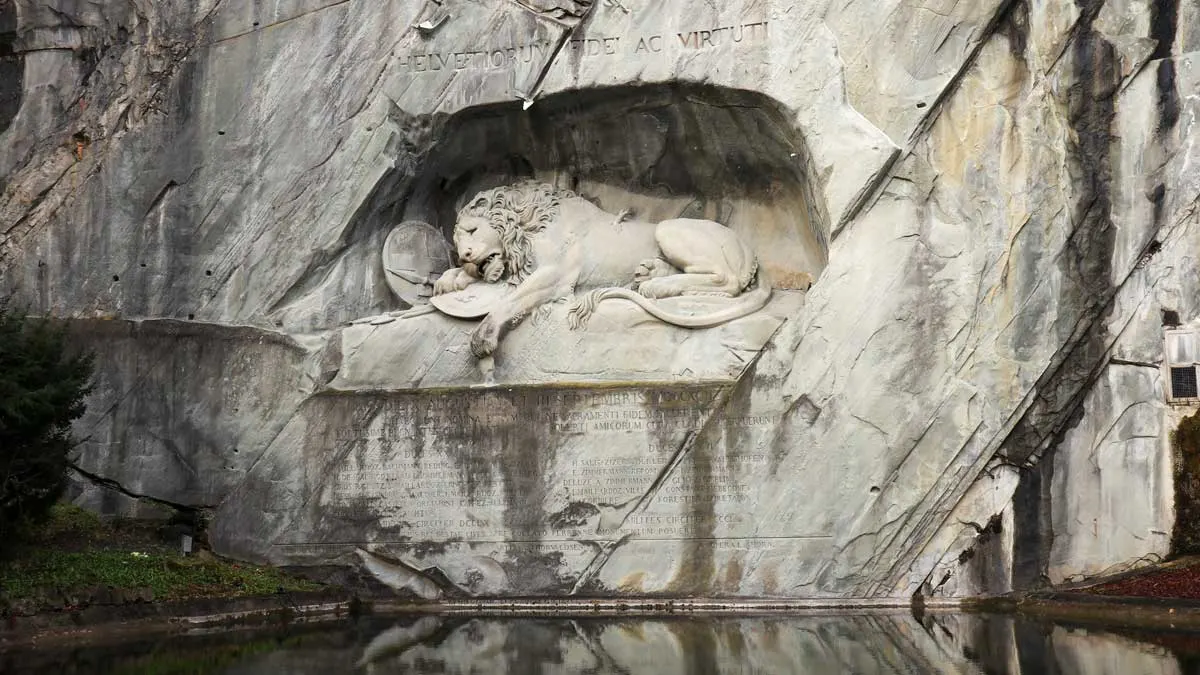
(664, 151)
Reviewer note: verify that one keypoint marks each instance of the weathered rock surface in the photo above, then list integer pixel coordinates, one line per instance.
(997, 200)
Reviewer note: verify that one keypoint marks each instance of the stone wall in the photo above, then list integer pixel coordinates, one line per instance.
(996, 200)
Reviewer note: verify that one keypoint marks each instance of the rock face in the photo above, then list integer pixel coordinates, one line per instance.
(996, 201)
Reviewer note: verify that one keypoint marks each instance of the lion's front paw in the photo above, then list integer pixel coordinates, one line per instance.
(465, 279)
(447, 282)
(485, 337)
(452, 280)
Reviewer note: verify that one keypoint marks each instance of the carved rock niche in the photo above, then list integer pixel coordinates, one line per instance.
(643, 154)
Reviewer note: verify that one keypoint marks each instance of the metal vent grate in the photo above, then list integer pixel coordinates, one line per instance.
(1183, 382)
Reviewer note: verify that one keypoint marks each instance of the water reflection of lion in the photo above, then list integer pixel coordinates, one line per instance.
(549, 242)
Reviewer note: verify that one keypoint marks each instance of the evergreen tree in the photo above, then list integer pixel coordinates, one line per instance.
(42, 389)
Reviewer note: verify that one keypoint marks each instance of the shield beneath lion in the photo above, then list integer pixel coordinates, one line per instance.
(473, 302)
(414, 255)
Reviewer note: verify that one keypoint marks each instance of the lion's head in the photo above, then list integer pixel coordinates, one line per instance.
(492, 234)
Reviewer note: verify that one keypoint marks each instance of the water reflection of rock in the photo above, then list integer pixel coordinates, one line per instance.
(866, 644)
(816, 643)
(396, 640)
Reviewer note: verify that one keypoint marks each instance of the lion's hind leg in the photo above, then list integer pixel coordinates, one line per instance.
(690, 283)
(713, 259)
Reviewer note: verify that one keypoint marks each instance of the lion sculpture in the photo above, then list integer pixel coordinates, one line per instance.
(549, 242)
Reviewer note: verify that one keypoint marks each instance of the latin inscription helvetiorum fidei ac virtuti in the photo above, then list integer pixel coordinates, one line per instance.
(615, 46)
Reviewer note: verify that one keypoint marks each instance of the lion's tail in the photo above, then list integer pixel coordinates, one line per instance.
(746, 304)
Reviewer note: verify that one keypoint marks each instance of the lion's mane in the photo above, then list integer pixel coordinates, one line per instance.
(516, 212)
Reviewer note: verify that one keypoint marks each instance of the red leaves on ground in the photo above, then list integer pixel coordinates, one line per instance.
(1176, 583)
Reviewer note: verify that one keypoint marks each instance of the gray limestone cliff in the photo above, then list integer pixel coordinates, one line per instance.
(996, 199)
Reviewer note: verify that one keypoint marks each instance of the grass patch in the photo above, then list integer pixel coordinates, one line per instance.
(75, 554)
(168, 576)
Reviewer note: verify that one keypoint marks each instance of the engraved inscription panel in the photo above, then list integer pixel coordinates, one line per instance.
(537, 465)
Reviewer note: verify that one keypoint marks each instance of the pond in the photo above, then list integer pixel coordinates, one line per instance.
(809, 643)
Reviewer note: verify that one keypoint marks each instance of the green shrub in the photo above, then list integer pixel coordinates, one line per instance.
(42, 389)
